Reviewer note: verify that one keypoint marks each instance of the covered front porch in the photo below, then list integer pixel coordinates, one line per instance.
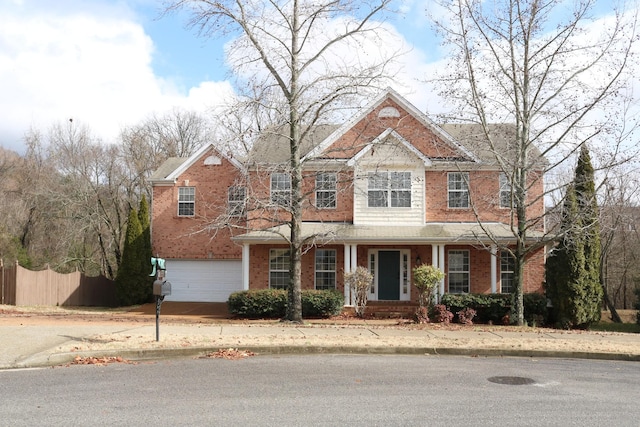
(468, 256)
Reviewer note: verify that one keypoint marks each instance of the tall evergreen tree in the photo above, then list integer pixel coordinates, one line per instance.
(588, 210)
(129, 288)
(573, 268)
(145, 225)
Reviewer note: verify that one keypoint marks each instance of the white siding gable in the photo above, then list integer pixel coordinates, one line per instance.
(388, 157)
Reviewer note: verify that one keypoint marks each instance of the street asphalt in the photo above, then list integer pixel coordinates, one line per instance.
(28, 344)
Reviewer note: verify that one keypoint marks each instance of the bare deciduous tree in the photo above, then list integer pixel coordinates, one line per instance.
(303, 59)
(547, 69)
(177, 133)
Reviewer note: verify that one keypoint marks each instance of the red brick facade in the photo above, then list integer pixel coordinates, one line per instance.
(194, 237)
(175, 236)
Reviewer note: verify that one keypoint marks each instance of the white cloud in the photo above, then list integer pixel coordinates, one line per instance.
(90, 65)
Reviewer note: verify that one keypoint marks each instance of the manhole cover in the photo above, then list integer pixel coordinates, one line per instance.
(511, 380)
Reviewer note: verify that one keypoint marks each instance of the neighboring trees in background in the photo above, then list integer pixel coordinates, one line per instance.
(541, 67)
(145, 145)
(573, 267)
(620, 235)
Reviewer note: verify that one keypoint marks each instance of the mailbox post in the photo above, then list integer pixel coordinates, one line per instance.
(161, 288)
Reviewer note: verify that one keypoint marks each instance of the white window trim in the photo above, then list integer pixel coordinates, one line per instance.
(278, 194)
(467, 272)
(465, 190)
(505, 191)
(389, 189)
(316, 270)
(271, 256)
(236, 207)
(512, 273)
(186, 200)
(333, 190)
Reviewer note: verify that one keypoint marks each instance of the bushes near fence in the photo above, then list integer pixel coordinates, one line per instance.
(496, 308)
(272, 303)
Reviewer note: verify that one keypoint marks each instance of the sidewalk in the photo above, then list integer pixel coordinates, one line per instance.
(35, 343)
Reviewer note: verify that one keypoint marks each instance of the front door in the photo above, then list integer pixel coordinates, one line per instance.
(389, 275)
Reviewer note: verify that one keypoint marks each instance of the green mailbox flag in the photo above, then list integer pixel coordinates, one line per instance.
(157, 263)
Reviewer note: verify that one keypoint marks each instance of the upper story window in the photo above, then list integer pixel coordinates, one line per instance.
(326, 190)
(186, 201)
(389, 189)
(281, 189)
(325, 269)
(458, 273)
(507, 272)
(236, 201)
(278, 268)
(458, 189)
(505, 191)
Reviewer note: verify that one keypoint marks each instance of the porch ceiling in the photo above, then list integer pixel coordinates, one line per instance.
(449, 232)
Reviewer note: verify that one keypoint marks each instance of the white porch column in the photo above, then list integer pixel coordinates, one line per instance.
(245, 267)
(354, 257)
(494, 269)
(347, 269)
(435, 263)
(441, 266)
(354, 265)
(434, 255)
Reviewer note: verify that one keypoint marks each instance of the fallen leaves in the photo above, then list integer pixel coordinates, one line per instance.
(99, 361)
(229, 354)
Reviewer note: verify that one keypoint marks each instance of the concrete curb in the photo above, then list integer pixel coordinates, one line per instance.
(59, 359)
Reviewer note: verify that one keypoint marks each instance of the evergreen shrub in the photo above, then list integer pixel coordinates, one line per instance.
(272, 303)
(492, 308)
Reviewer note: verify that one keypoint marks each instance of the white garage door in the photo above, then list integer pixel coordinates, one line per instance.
(203, 281)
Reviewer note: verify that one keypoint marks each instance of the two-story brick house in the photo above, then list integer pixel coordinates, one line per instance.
(388, 190)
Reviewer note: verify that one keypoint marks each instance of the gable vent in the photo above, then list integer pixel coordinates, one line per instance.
(212, 160)
(389, 112)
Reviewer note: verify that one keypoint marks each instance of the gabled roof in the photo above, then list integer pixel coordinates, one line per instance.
(404, 104)
(173, 167)
(387, 133)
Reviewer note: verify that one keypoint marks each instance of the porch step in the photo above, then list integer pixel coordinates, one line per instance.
(391, 309)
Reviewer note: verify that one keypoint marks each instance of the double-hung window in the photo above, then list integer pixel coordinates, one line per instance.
(326, 189)
(236, 201)
(458, 273)
(458, 189)
(325, 269)
(278, 268)
(389, 189)
(281, 189)
(186, 201)
(505, 191)
(507, 272)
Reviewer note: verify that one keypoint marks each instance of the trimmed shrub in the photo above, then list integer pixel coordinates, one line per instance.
(493, 308)
(490, 308)
(255, 304)
(535, 309)
(272, 303)
(322, 303)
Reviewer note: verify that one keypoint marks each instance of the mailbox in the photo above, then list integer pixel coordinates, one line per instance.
(161, 288)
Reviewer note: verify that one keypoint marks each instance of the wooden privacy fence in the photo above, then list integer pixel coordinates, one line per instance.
(25, 287)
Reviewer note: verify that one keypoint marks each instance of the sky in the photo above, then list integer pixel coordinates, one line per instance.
(109, 64)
